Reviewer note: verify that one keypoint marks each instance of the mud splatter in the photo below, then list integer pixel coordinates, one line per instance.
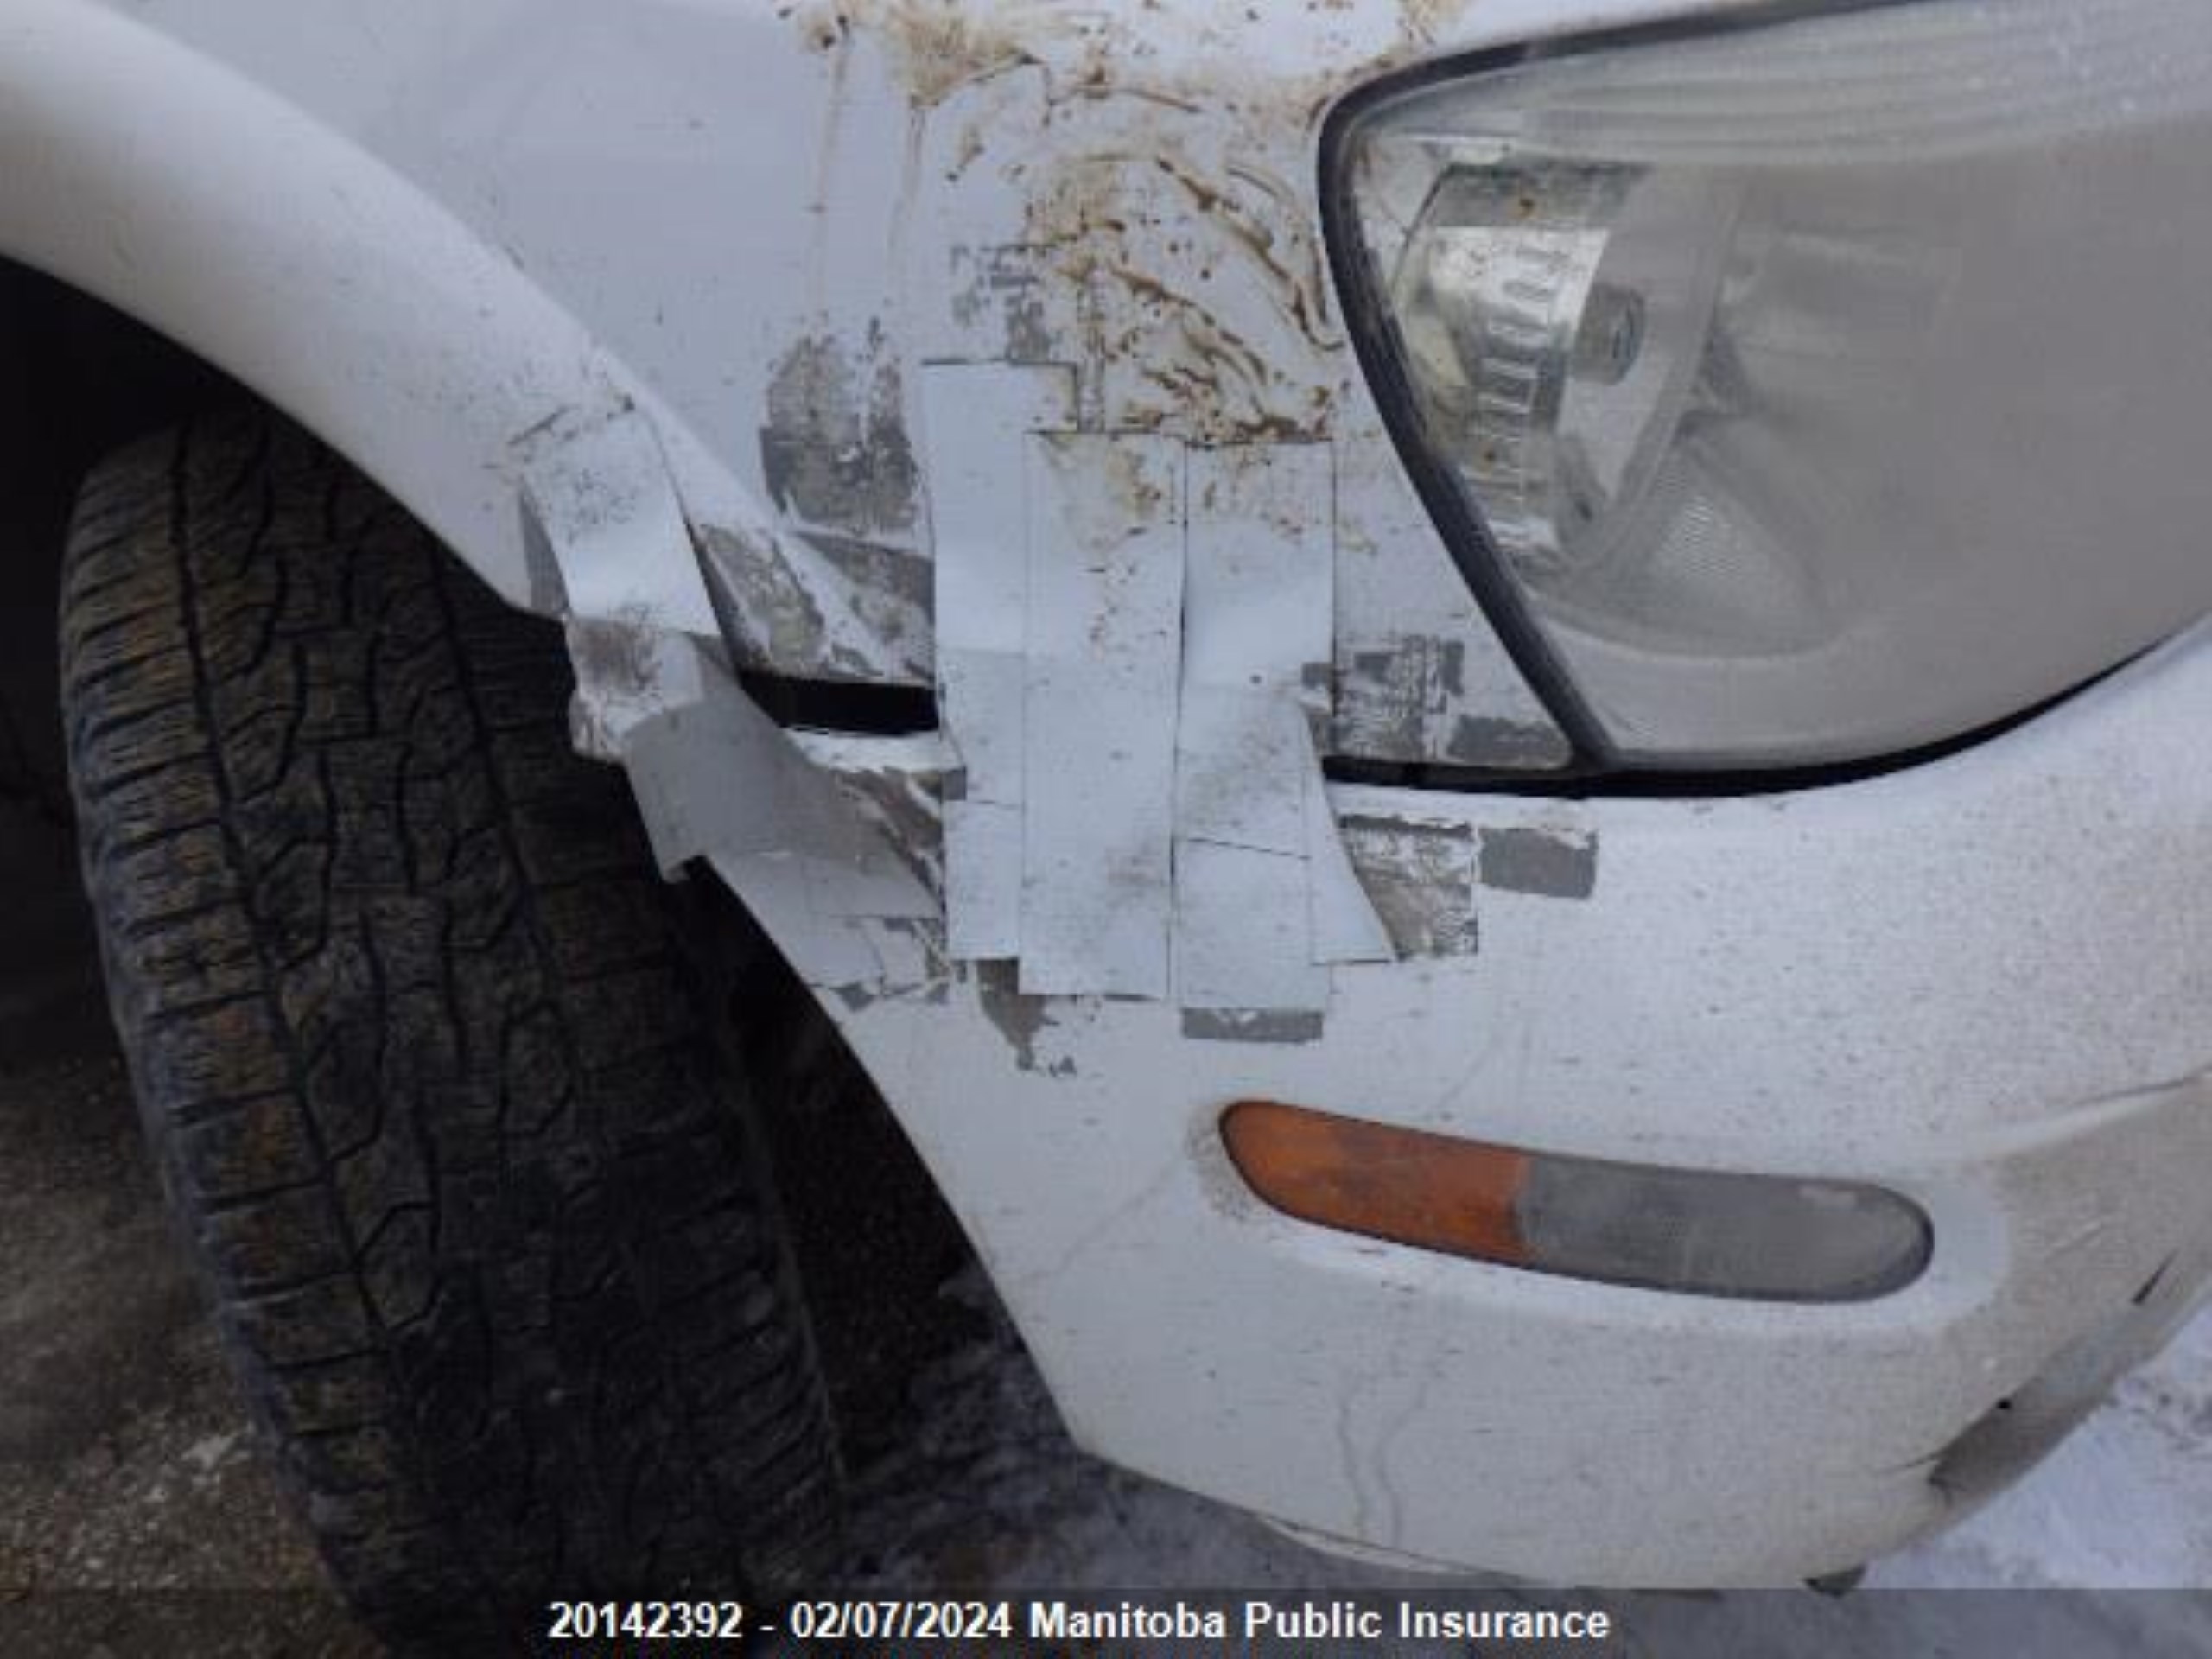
(939, 45)
(1426, 20)
(1162, 255)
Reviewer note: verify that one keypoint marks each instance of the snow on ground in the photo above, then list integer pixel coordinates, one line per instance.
(2124, 1504)
(989, 1492)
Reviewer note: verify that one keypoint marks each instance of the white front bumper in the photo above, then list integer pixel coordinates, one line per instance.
(1983, 983)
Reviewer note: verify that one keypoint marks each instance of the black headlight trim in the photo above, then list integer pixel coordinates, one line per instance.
(1468, 542)
(1381, 360)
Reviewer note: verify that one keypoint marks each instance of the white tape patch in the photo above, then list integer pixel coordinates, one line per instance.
(606, 534)
(975, 418)
(1264, 896)
(1099, 710)
(1138, 807)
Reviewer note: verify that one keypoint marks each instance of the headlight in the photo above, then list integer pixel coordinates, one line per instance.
(1811, 390)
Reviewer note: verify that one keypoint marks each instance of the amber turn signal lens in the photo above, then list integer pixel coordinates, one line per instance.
(1700, 1232)
(1358, 1176)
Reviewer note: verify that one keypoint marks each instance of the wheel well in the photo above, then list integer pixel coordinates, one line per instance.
(77, 378)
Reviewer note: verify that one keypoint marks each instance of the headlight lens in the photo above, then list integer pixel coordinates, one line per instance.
(1821, 388)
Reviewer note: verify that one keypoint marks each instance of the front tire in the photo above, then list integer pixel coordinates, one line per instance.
(428, 1071)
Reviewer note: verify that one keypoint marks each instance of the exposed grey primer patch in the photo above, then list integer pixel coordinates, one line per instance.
(613, 653)
(758, 602)
(905, 805)
(627, 672)
(1480, 742)
(898, 573)
(1405, 699)
(1560, 864)
(1252, 1025)
(1392, 694)
(1019, 1017)
(1422, 879)
(999, 299)
(889, 590)
(834, 450)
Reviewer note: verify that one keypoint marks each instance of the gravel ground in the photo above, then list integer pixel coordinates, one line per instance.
(125, 1462)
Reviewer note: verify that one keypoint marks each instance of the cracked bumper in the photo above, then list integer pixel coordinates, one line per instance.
(1981, 982)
